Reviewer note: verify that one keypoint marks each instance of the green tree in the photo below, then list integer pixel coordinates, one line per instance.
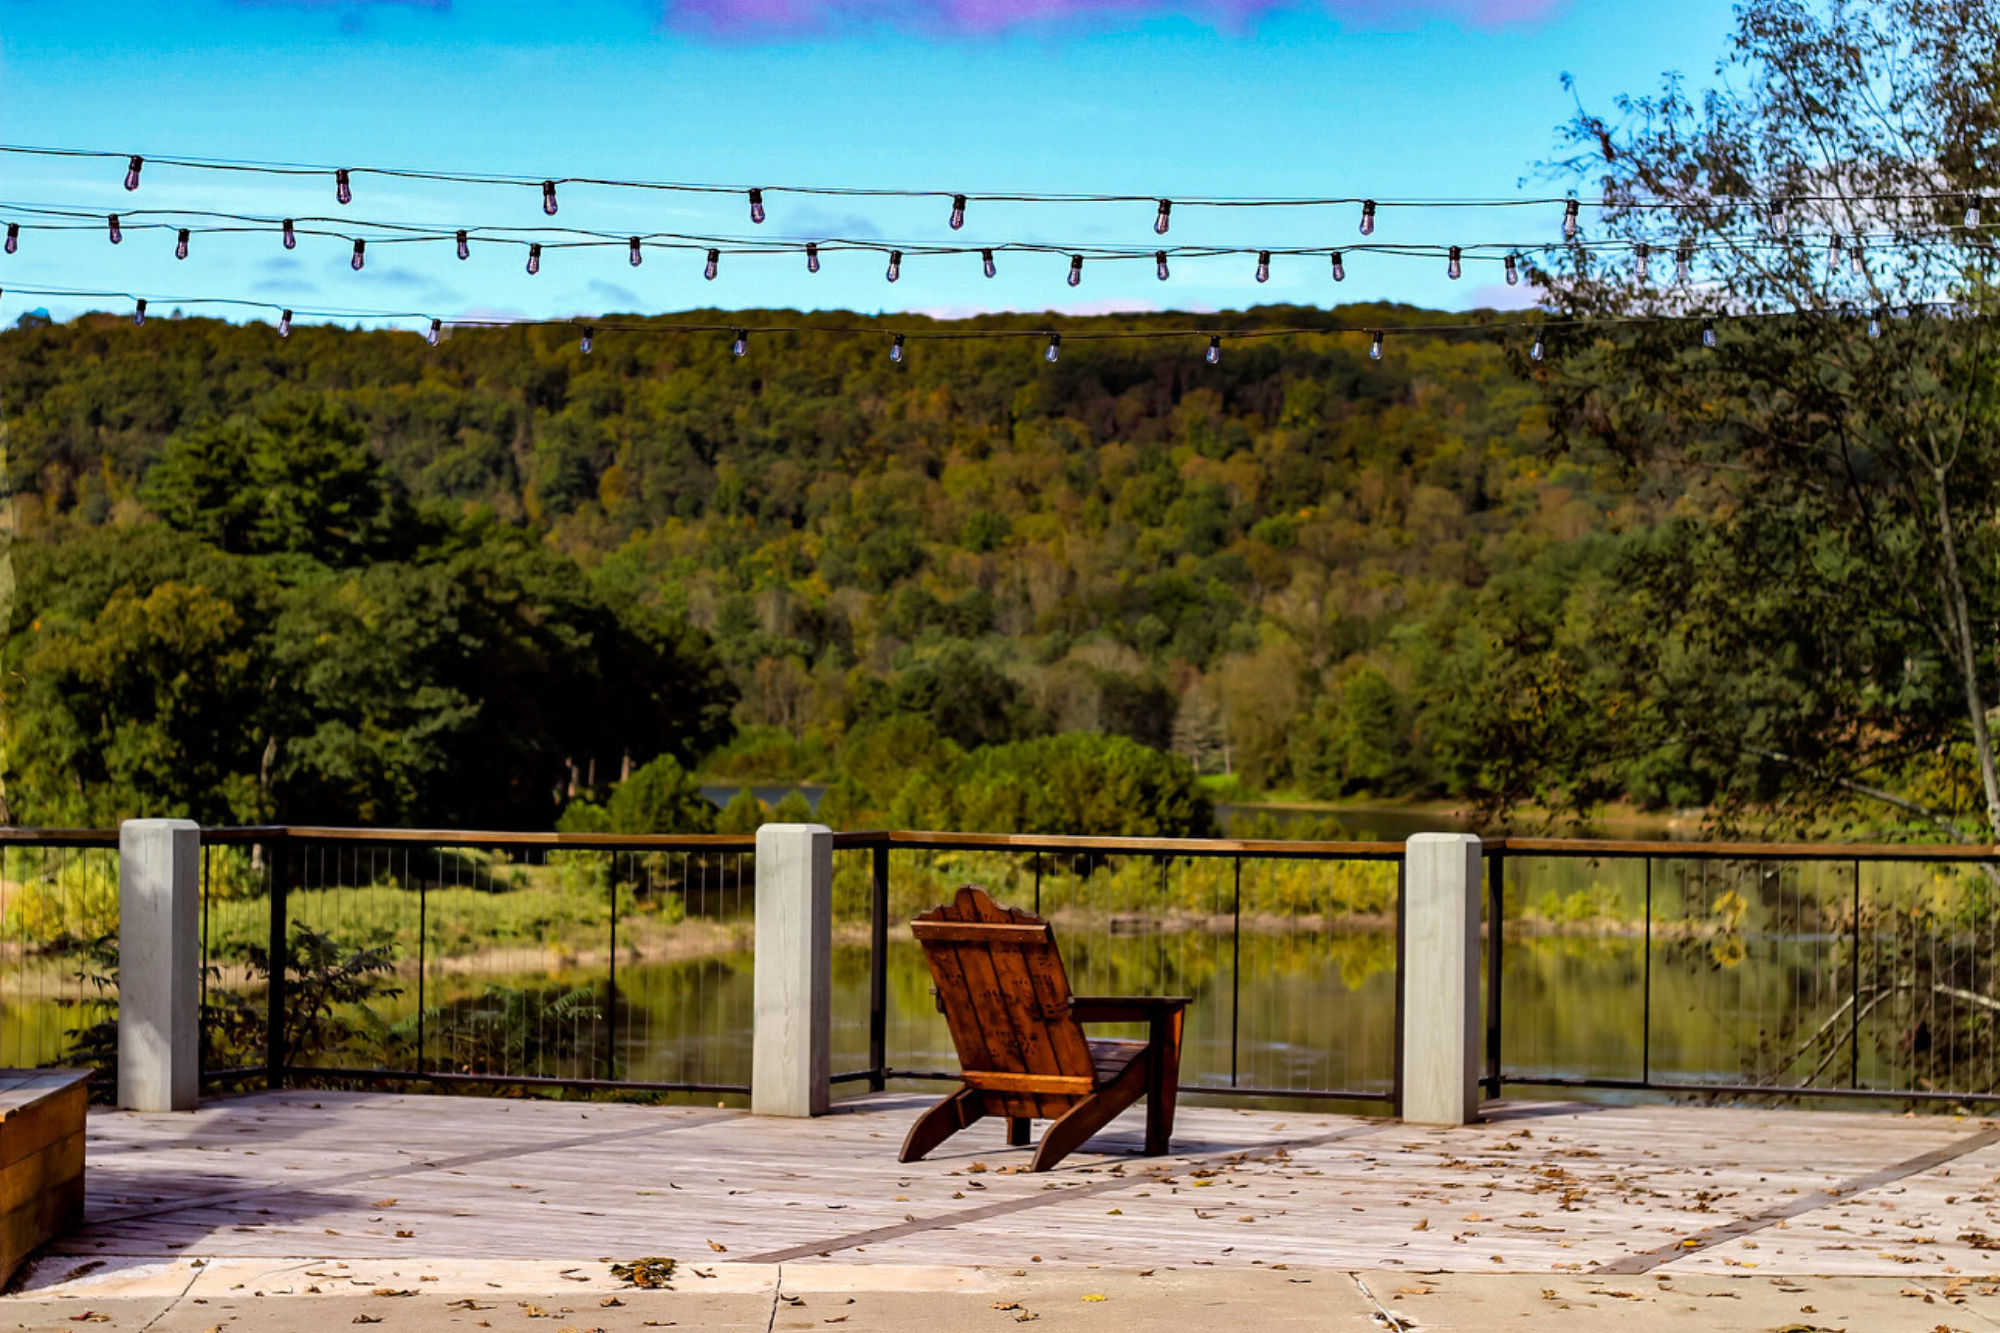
(660, 797)
(1076, 784)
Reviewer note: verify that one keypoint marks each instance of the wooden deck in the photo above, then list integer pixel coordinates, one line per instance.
(1540, 1188)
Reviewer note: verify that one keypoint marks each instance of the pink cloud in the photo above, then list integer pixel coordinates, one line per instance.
(985, 18)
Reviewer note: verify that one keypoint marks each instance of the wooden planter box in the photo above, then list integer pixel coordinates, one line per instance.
(41, 1159)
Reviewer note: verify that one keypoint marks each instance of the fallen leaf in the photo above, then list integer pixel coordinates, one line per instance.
(719, 1249)
(366, 1319)
(1094, 1296)
(385, 1203)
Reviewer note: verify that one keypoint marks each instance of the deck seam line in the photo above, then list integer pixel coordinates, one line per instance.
(1147, 1175)
(1648, 1260)
(277, 1190)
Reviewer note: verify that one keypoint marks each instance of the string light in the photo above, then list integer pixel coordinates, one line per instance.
(14, 237)
(895, 265)
(1214, 350)
(291, 235)
(1160, 219)
(360, 248)
(1570, 220)
(896, 349)
(1683, 258)
(1875, 323)
(549, 198)
(633, 256)
(285, 325)
(534, 258)
(1375, 347)
(1339, 268)
(957, 220)
(116, 234)
(1076, 270)
(1055, 345)
(1263, 266)
(812, 257)
(1833, 250)
(1540, 348)
(180, 243)
(1972, 210)
(1453, 269)
(757, 207)
(464, 246)
(986, 264)
(1779, 222)
(437, 332)
(1367, 217)
(1160, 265)
(589, 338)
(132, 165)
(742, 343)
(1513, 270)
(1642, 264)
(343, 189)
(1854, 264)
(708, 269)
(1708, 334)
(139, 312)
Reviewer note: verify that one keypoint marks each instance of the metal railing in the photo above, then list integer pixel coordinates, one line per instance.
(1289, 948)
(58, 955)
(1806, 970)
(580, 961)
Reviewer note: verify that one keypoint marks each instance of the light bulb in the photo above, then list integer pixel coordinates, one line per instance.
(1643, 256)
(1972, 209)
(1779, 220)
(285, 325)
(896, 349)
(1076, 270)
(116, 233)
(812, 257)
(1683, 257)
(708, 269)
(1833, 250)
(742, 343)
(1453, 269)
(291, 235)
(1263, 266)
(1339, 267)
(132, 165)
(957, 211)
(1570, 210)
(1375, 347)
(1708, 334)
(139, 312)
(1513, 270)
(1055, 343)
(1875, 325)
(1214, 350)
(757, 206)
(437, 332)
(1160, 265)
(895, 265)
(632, 254)
(549, 198)
(1854, 264)
(14, 238)
(464, 246)
(180, 242)
(1160, 219)
(1536, 352)
(360, 247)
(589, 337)
(534, 257)
(343, 190)
(986, 263)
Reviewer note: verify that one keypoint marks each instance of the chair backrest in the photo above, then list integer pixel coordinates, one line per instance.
(1005, 997)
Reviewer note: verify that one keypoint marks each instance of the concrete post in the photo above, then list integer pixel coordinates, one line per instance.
(1441, 1032)
(159, 964)
(790, 1049)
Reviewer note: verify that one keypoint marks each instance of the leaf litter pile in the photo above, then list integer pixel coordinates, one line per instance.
(654, 1271)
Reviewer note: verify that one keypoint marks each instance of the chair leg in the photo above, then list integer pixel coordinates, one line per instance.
(1093, 1113)
(1017, 1131)
(942, 1121)
(1160, 1093)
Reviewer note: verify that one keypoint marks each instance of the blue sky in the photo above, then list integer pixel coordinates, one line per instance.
(1385, 98)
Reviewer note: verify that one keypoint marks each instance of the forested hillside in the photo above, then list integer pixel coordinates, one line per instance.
(347, 575)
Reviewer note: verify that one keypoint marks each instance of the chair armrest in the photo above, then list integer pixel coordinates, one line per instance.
(1125, 1008)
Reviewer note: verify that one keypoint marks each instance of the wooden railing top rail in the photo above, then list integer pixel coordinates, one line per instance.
(1030, 842)
(61, 837)
(1749, 851)
(724, 842)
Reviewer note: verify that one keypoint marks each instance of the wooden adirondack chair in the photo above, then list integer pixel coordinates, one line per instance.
(1019, 1034)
